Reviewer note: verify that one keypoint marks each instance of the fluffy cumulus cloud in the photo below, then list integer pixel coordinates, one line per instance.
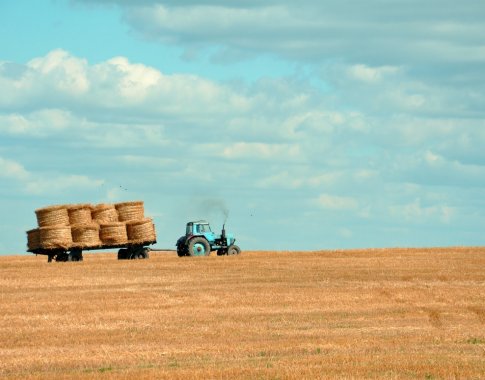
(374, 139)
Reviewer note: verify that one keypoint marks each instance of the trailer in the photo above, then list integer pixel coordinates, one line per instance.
(64, 231)
(128, 251)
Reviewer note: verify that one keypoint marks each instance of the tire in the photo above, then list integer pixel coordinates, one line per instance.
(233, 250)
(181, 252)
(75, 255)
(199, 247)
(138, 253)
(123, 254)
(146, 253)
(62, 257)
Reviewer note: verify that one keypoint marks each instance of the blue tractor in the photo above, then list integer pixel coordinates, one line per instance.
(199, 240)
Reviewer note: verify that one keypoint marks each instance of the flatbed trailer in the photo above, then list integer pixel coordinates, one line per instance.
(127, 251)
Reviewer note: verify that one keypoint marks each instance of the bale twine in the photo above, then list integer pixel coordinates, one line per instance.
(55, 237)
(33, 239)
(104, 213)
(113, 233)
(52, 216)
(79, 214)
(85, 235)
(140, 231)
(128, 211)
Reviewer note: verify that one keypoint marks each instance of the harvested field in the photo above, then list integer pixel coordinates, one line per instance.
(390, 313)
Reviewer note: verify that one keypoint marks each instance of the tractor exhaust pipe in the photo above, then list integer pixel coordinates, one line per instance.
(223, 233)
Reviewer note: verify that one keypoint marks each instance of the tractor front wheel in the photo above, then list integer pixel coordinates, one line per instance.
(233, 250)
(199, 247)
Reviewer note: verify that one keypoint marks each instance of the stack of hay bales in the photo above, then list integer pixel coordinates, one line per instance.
(85, 233)
(86, 226)
(54, 228)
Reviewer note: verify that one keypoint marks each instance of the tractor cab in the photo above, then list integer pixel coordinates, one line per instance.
(198, 227)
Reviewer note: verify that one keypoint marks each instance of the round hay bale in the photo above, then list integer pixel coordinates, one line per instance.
(52, 216)
(128, 211)
(33, 239)
(140, 231)
(55, 237)
(113, 233)
(104, 213)
(79, 214)
(85, 235)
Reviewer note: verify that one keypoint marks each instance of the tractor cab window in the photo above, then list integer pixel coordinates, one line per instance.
(189, 229)
(202, 228)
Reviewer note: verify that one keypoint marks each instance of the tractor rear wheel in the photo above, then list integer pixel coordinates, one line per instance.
(199, 247)
(233, 250)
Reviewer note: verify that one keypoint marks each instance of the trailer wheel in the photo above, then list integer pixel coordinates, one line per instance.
(233, 250)
(199, 246)
(123, 254)
(62, 257)
(76, 254)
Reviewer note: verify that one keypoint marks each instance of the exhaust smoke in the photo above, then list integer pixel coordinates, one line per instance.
(214, 206)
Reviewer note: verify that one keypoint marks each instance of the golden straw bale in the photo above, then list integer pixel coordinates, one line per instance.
(52, 216)
(104, 213)
(128, 211)
(113, 233)
(79, 214)
(85, 235)
(140, 231)
(33, 239)
(55, 237)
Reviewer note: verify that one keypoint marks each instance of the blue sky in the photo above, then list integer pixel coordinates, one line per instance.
(317, 124)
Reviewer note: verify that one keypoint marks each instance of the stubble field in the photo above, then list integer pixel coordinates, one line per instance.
(387, 313)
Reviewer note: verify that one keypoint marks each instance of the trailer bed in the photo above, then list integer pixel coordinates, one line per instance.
(129, 250)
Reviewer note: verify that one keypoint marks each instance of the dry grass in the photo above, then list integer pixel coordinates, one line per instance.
(400, 313)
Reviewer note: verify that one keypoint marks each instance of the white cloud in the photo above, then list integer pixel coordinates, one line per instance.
(261, 151)
(46, 183)
(116, 86)
(281, 179)
(370, 33)
(135, 80)
(336, 202)
(13, 170)
(37, 123)
(417, 213)
(371, 74)
(66, 73)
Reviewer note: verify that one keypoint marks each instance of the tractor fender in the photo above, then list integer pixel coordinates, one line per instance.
(189, 238)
